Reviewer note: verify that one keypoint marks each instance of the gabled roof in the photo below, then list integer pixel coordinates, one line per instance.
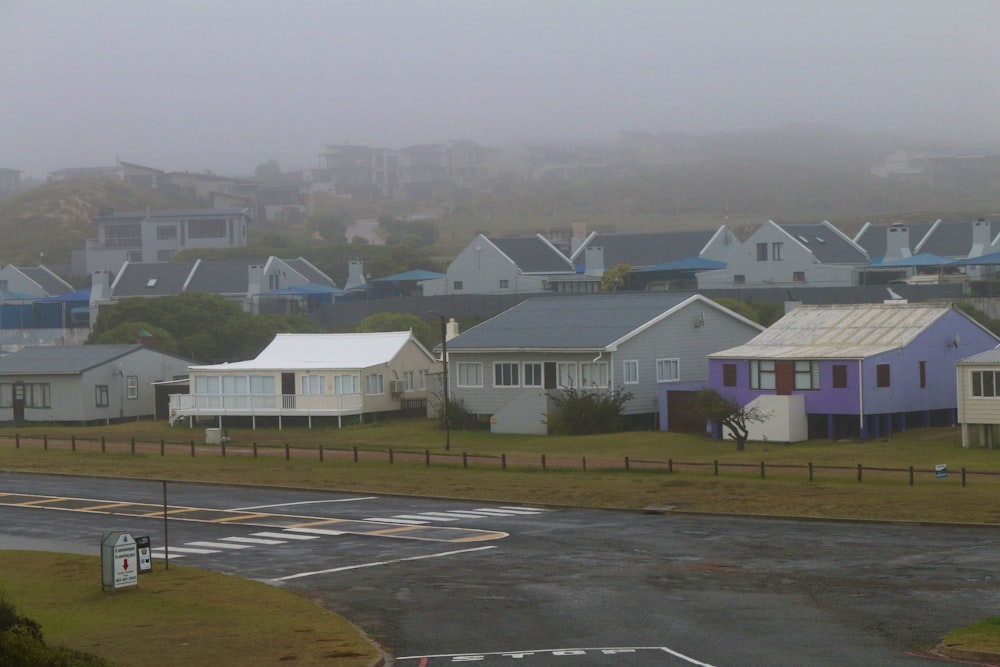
(228, 276)
(839, 332)
(44, 278)
(587, 322)
(952, 239)
(151, 279)
(325, 351)
(641, 249)
(827, 244)
(408, 276)
(533, 254)
(987, 357)
(873, 237)
(308, 271)
(63, 360)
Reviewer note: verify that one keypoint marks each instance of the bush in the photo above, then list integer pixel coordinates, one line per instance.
(580, 412)
(21, 644)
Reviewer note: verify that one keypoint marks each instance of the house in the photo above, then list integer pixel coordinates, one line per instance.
(156, 236)
(10, 181)
(309, 376)
(851, 371)
(83, 383)
(260, 286)
(659, 260)
(509, 265)
(509, 368)
(400, 285)
(816, 255)
(39, 281)
(977, 379)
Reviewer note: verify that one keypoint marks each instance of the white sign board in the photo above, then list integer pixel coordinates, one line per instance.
(119, 561)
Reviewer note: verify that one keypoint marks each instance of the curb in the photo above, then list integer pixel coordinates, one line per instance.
(981, 657)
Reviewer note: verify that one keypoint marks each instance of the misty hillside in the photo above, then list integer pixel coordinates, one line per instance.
(55, 218)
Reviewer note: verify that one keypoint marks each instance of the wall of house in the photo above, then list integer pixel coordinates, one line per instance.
(481, 267)
(975, 410)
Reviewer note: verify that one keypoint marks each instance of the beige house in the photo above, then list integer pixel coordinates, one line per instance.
(312, 375)
(978, 382)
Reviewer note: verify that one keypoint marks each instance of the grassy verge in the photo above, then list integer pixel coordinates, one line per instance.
(180, 616)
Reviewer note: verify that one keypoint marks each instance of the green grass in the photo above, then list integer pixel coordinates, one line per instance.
(180, 616)
(834, 493)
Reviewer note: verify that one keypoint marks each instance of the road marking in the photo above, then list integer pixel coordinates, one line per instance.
(287, 536)
(218, 545)
(303, 502)
(252, 540)
(503, 512)
(383, 562)
(187, 550)
(560, 652)
(316, 531)
(433, 516)
(396, 519)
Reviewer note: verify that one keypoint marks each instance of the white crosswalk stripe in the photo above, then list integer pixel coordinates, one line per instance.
(252, 540)
(186, 550)
(287, 536)
(218, 545)
(397, 520)
(316, 531)
(457, 515)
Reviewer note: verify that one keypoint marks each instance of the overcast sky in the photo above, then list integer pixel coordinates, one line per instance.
(227, 84)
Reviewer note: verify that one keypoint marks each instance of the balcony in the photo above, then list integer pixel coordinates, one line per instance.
(254, 405)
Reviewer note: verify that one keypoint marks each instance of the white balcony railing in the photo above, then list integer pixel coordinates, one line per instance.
(254, 405)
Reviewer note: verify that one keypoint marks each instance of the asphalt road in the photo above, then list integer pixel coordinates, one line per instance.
(448, 582)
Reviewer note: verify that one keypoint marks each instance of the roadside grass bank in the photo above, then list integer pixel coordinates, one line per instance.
(181, 616)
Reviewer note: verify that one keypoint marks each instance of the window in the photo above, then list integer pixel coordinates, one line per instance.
(761, 252)
(630, 372)
(984, 384)
(504, 284)
(6, 396)
(840, 376)
(206, 384)
(798, 276)
(806, 375)
(593, 375)
(668, 370)
(123, 236)
(457, 285)
(506, 374)
(533, 375)
(207, 229)
(776, 251)
(234, 384)
(728, 375)
(4, 285)
(346, 384)
(166, 232)
(101, 396)
(423, 378)
(739, 279)
(313, 384)
(262, 385)
(132, 387)
(923, 374)
(407, 380)
(36, 395)
(762, 374)
(470, 374)
(882, 375)
(566, 375)
(373, 384)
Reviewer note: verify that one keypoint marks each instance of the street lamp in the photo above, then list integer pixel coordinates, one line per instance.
(444, 361)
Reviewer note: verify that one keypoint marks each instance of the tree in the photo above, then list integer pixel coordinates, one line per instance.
(616, 278)
(579, 412)
(726, 410)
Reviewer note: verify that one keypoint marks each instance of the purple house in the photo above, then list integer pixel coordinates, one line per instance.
(851, 371)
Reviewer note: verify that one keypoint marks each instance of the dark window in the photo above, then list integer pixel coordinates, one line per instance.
(206, 229)
(923, 374)
(739, 279)
(761, 252)
(728, 375)
(882, 375)
(799, 276)
(840, 376)
(101, 395)
(457, 285)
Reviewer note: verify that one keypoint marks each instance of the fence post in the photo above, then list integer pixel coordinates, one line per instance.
(161, 447)
(288, 453)
(72, 443)
(427, 458)
(45, 442)
(255, 450)
(391, 457)
(762, 470)
(321, 453)
(103, 445)
(859, 473)
(132, 446)
(715, 465)
(670, 465)
(17, 441)
(355, 453)
(810, 471)
(911, 475)
(192, 449)
(626, 464)
(543, 461)
(223, 448)
(465, 460)
(584, 464)
(503, 461)
(963, 478)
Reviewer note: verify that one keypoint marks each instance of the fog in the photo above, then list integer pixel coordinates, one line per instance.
(225, 85)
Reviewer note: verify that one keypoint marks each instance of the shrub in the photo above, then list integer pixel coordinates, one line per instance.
(580, 412)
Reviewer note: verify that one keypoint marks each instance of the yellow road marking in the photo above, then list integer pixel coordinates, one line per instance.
(238, 517)
(400, 529)
(41, 502)
(105, 506)
(309, 524)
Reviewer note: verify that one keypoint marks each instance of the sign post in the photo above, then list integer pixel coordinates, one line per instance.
(119, 561)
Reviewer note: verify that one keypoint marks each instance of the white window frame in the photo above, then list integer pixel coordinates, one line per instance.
(346, 384)
(407, 380)
(469, 374)
(535, 377)
(312, 385)
(668, 369)
(374, 384)
(594, 375)
(132, 387)
(630, 371)
(506, 374)
(567, 374)
(422, 376)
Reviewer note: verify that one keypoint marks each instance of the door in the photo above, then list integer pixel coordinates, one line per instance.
(288, 390)
(18, 395)
(784, 377)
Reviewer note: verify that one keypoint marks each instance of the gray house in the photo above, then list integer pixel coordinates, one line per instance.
(38, 281)
(83, 383)
(509, 368)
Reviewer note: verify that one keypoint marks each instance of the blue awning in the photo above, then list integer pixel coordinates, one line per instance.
(983, 260)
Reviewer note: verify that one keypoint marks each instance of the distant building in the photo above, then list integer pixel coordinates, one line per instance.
(10, 182)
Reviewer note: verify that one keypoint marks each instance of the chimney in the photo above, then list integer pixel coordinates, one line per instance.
(897, 242)
(981, 237)
(355, 274)
(451, 329)
(593, 261)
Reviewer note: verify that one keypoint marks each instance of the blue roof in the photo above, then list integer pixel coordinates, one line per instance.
(9, 295)
(685, 264)
(982, 260)
(304, 290)
(78, 295)
(416, 274)
(923, 259)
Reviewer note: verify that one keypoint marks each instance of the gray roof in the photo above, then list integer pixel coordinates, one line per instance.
(826, 245)
(52, 284)
(590, 322)
(532, 254)
(873, 238)
(151, 279)
(310, 272)
(64, 360)
(226, 276)
(648, 248)
(953, 239)
(182, 214)
(987, 357)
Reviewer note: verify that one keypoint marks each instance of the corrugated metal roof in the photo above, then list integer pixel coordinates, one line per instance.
(988, 357)
(590, 322)
(838, 332)
(57, 359)
(532, 254)
(323, 351)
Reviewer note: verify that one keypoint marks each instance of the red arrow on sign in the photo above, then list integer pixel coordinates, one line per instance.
(125, 563)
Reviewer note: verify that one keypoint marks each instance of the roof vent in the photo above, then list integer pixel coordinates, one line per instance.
(151, 282)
